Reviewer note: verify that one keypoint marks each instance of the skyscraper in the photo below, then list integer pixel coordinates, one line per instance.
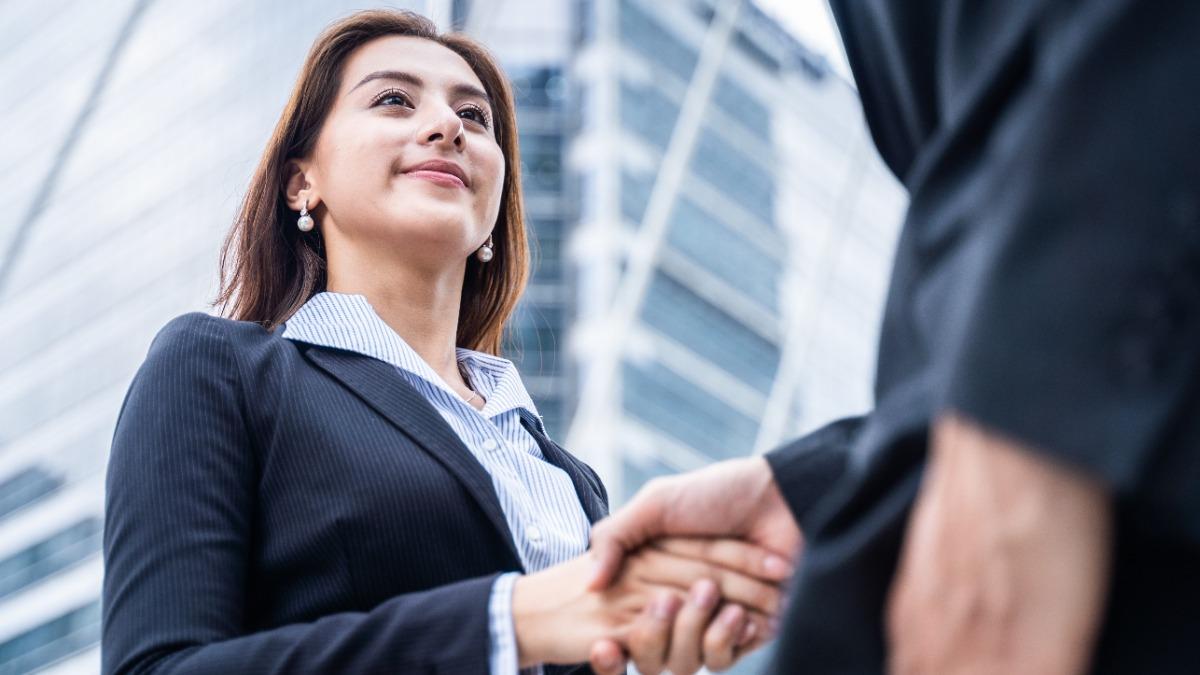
(532, 38)
(129, 131)
(753, 317)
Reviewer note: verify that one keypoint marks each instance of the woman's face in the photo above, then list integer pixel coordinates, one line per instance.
(408, 158)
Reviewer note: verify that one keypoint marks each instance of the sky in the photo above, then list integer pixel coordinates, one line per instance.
(810, 21)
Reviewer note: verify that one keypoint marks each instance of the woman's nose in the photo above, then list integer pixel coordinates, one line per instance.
(445, 127)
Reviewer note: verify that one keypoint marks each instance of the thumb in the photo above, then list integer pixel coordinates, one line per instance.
(624, 531)
(606, 557)
(607, 553)
(607, 658)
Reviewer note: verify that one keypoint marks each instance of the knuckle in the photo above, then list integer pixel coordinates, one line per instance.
(646, 668)
(730, 548)
(752, 559)
(719, 663)
(637, 640)
(675, 547)
(655, 486)
(639, 647)
(685, 665)
(649, 558)
(645, 558)
(769, 599)
(725, 580)
(715, 642)
(647, 639)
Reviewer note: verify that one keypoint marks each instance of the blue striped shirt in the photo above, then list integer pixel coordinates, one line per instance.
(539, 501)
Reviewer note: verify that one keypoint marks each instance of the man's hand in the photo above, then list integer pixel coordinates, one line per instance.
(732, 499)
(1005, 564)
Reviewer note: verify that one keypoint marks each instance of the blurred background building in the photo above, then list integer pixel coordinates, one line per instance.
(714, 232)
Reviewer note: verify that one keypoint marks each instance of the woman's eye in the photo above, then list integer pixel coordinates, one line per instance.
(392, 98)
(475, 114)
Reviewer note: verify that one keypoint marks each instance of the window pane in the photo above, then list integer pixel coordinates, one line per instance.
(48, 556)
(25, 488)
(663, 399)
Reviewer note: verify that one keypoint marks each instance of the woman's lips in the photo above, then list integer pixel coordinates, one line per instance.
(438, 178)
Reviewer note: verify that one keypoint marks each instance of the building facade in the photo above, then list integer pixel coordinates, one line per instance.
(129, 129)
(757, 318)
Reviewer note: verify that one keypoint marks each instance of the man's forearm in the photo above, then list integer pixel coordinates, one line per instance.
(1005, 562)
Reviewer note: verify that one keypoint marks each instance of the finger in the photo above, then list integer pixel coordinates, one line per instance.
(624, 531)
(750, 632)
(757, 631)
(607, 555)
(721, 637)
(659, 567)
(739, 556)
(685, 655)
(606, 658)
(650, 636)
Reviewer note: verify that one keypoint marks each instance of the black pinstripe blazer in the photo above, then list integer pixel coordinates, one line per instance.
(277, 507)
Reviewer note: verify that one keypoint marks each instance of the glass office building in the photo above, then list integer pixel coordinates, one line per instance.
(759, 317)
(129, 129)
(532, 39)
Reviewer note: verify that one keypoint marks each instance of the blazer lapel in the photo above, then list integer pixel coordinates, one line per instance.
(588, 492)
(381, 387)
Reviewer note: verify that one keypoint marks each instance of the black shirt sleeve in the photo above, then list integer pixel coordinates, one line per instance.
(807, 468)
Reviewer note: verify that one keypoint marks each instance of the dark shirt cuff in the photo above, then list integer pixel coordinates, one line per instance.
(806, 468)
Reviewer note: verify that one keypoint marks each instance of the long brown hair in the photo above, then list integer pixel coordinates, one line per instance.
(269, 268)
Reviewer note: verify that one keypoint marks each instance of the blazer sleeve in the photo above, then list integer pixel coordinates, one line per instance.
(807, 467)
(1079, 330)
(181, 490)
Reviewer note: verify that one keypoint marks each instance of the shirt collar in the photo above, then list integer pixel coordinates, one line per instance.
(347, 321)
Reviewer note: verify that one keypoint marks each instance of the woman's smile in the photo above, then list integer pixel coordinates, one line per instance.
(438, 178)
(439, 172)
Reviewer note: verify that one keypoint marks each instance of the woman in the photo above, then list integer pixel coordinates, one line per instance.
(344, 477)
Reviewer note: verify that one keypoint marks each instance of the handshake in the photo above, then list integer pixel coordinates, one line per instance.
(689, 574)
(1004, 569)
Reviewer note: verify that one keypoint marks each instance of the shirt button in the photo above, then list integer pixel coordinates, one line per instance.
(490, 444)
(534, 532)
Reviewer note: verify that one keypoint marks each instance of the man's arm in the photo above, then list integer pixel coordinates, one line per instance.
(1078, 329)
(1005, 563)
(1074, 353)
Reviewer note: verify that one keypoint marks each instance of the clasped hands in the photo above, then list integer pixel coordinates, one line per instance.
(677, 603)
(689, 574)
(1004, 568)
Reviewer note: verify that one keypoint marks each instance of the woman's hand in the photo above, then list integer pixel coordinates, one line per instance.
(557, 619)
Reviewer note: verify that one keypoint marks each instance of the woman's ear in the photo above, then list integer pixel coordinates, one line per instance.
(297, 187)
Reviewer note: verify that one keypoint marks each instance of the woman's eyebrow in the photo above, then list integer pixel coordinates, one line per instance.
(461, 89)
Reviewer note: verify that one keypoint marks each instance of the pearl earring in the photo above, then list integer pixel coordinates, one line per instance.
(485, 252)
(305, 221)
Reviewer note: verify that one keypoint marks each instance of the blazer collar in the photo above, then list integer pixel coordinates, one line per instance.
(585, 486)
(378, 384)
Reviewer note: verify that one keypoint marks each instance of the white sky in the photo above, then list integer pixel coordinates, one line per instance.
(810, 21)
